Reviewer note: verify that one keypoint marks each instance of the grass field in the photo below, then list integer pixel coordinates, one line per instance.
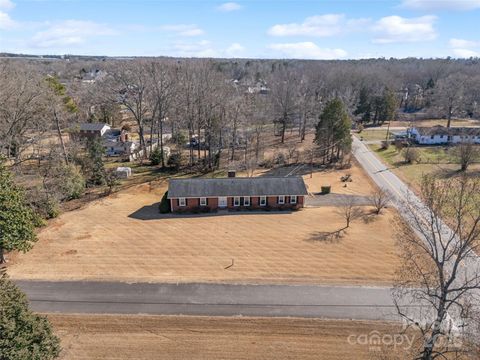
(372, 135)
(123, 237)
(433, 122)
(168, 337)
(436, 160)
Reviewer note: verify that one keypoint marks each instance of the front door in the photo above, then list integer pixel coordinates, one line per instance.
(222, 202)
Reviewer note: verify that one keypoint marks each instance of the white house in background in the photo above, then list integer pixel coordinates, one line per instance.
(120, 148)
(438, 135)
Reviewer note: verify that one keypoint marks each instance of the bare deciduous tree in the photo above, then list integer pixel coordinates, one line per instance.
(349, 210)
(379, 199)
(449, 95)
(466, 153)
(441, 270)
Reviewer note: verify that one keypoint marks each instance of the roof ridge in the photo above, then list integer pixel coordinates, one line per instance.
(241, 178)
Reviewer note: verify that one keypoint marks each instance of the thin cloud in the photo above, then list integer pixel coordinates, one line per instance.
(234, 49)
(318, 26)
(461, 43)
(184, 29)
(307, 50)
(6, 22)
(69, 32)
(229, 6)
(395, 29)
(202, 49)
(465, 48)
(466, 53)
(460, 5)
(6, 4)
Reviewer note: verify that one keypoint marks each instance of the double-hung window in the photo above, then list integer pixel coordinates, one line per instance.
(236, 201)
(281, 199)
(263, 200)
(203, 201)
(182, 202)
(246, 201)
(293, 199)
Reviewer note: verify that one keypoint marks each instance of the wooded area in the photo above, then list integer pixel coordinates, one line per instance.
(217, 113)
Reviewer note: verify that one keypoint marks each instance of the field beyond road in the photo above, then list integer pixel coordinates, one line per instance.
(169, 337)
(124, 238)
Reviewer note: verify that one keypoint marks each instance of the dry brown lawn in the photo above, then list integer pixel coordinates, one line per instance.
(168, 337)
(361, 184)
(124, 238)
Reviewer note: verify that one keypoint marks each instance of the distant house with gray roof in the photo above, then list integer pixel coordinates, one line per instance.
(91, 130)
(237, 193)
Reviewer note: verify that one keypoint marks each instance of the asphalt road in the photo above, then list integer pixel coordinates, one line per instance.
(380, 173)
(369, 303)
(384, 178)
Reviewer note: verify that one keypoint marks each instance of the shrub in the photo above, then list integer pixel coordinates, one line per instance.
(279, 158)
(399, 145)
(111, 179)
(156, 156)
(179, 138)
(175, 160)
(411, 155)
(71, 182)
(164, 206)
(360, 128)
(326, 189)
(45, 206)
(385, 145)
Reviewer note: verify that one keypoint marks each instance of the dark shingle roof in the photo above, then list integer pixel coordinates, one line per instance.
(453, 131)
(258, 186)
(92, 126)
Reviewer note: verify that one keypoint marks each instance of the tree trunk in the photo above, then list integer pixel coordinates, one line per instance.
(2, 257)
(160, 138)
(303, 127)
(450, 111)
(59, 132)
(284, 128)
(436, 331)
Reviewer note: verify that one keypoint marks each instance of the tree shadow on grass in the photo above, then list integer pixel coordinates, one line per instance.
(328, 237)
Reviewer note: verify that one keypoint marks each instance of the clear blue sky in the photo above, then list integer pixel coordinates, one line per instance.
(312, 29)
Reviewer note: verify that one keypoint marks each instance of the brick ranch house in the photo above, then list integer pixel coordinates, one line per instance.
(236, 193)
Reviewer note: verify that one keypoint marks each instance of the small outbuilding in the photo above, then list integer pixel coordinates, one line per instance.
(123, 172)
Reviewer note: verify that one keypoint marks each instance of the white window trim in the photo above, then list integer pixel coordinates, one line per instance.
(293, 199)
(203, 201)
(236, 201)
(262, 201)
(246, 201)
(281, 199)
(182, 202)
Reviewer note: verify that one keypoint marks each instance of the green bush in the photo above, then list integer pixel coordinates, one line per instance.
(326, 189)
(179, 138)
(71, 182)
(156, 156)
(164, 206)
(46, 207)
(175, 160)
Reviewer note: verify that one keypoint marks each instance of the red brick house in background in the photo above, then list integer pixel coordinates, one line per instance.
(236, 193)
